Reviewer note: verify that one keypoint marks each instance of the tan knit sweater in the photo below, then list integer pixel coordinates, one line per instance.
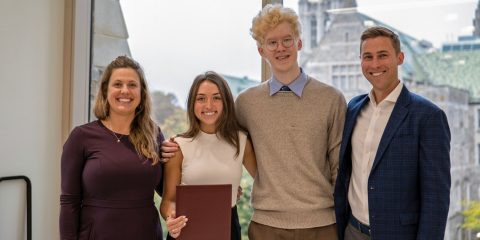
(297, 142)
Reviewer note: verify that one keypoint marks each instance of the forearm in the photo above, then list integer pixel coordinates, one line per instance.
(69, 217)
(166, 208)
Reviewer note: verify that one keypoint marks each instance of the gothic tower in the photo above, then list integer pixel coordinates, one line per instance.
(316, 17)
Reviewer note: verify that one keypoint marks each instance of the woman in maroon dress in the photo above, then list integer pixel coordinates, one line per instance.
(110, 167)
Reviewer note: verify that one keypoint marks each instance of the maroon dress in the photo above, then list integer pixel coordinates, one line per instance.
(107, 188)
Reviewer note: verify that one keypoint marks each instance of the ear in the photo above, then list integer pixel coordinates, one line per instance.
(400, 57)
(299, 44)
(261, 51)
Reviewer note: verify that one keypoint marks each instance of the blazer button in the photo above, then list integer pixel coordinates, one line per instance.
(372, 188)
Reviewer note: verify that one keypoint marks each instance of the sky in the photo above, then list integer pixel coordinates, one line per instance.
(176, 40)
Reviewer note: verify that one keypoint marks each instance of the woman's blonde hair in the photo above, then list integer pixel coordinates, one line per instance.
(143, 130)
(271, 16)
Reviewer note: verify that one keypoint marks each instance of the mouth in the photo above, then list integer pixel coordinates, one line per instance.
(376, 74)
(209, 113)
(282, 57)
(124, 100)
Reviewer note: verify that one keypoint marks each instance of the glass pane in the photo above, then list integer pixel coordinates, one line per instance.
(439, 39)
(175, 41)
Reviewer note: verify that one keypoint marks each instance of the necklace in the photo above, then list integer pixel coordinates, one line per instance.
(114, 134)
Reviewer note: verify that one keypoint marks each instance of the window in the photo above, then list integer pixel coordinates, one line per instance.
(478, 118)
(174, 43)
(478, 154)
(313, 33)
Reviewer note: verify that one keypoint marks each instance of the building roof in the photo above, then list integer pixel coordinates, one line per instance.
(458, 69)
(343, 36)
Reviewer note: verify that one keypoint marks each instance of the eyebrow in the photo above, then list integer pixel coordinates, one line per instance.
(369, 53)
(286, 36)
(206, 94)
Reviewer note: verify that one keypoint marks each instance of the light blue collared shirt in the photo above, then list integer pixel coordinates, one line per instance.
(296, 85)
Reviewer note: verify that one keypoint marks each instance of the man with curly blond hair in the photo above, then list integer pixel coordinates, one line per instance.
(296, 124)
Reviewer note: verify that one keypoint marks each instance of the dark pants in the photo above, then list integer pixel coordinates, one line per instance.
(352, 233)
(236, 231)
(257, 231)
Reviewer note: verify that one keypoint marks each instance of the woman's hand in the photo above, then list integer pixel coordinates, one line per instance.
(175, 225)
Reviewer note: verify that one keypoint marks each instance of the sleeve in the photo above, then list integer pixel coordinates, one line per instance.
(72, 163)
(161, 167)
(335, 135)
(434, 168)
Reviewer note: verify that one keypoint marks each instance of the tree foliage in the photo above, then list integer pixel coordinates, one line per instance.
(244, 207)
(168, 114)
(472, 216)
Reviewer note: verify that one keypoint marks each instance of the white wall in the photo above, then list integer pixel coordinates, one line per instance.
(31, 67)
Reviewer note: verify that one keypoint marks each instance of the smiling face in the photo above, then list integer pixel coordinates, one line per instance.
(208, 106)
(380, 65)
(123, 94)
(283, 60)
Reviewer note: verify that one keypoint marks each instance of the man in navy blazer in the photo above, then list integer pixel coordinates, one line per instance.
(394, 176)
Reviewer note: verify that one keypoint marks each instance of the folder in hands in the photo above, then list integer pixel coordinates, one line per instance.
(208, 209)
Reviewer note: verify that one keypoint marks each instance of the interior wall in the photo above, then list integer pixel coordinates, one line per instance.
(31, 68)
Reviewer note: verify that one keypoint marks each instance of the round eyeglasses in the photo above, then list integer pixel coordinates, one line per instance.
(272, 45)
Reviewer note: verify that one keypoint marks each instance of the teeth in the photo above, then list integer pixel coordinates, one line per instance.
(209, 113)
(124, 100)
(377, 74)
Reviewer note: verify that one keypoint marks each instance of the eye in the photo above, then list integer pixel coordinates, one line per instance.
(383, 55)
(272, 43)
(367, 57)
(117, 84)
(217, 98)
(287, 41)
(132, 85)
(200, 99)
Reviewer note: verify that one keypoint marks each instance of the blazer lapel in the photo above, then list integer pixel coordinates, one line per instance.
(350, 121)
(398, 115)
(352, 118)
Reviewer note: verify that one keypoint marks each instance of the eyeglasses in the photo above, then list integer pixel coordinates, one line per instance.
(272, 45)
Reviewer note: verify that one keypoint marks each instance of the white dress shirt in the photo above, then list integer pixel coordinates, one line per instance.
(366, 136)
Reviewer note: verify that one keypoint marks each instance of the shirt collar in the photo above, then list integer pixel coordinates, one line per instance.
(392, 97)
(296, 85)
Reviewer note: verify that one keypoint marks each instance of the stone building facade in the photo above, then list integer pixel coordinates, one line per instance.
(450, 80)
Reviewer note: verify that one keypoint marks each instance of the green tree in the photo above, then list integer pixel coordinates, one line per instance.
(472, 216)
(175, 123)
(244, 207)
(168, 114)
(164, 105)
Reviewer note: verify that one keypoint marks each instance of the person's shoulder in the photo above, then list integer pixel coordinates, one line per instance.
(258, 89)
(86, 128)
(242, 134)
(422, 103)
(180, 139)
(317, 85)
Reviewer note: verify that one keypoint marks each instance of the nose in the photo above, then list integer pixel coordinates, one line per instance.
(124, 88)
(375, 62)
(280, 47)
(209, 103)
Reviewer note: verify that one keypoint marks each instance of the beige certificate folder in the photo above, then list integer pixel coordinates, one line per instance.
(208, 209)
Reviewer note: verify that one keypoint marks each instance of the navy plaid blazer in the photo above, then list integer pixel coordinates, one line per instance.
(409, 184)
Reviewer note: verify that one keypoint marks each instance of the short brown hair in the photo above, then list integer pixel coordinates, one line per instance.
(378, 31)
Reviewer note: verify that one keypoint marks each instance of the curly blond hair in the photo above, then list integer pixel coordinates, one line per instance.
(270, 17)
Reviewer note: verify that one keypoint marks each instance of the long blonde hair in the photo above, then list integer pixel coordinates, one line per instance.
(143, 130)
